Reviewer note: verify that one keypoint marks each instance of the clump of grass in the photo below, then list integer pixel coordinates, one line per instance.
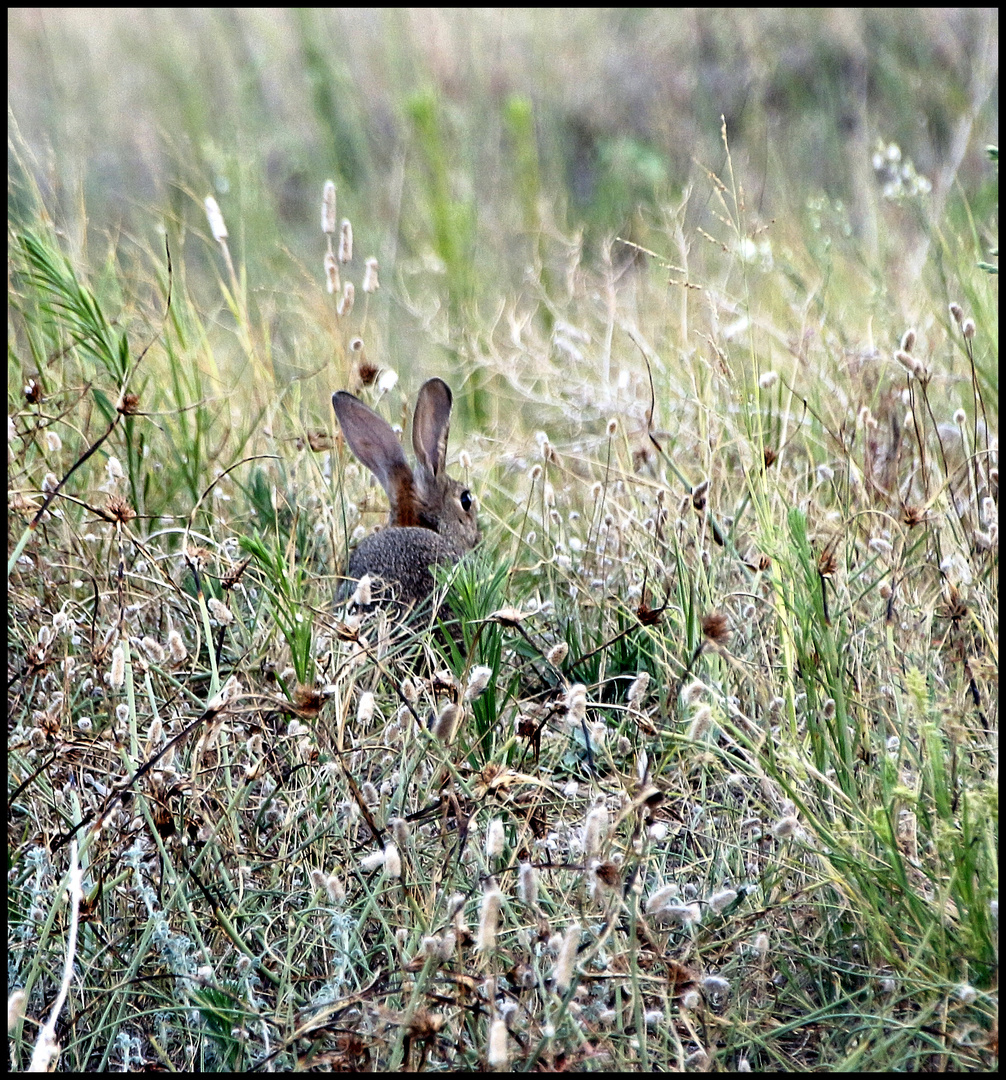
(702, 739)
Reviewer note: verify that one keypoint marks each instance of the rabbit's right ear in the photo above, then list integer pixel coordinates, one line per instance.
(372, 441)
(431, 425)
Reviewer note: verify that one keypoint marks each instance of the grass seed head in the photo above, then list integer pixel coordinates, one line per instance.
(637, 690)
(215, 219)
(478, 680)
(701, 721)
(527, 884)
(392, 860)
(557, 654)
(498, 1056)
(346, 242)
(365, 708)
(118, 674)
(370, 282)
(495, 838)
(345, 304)
(446, 723)
(722, 899)
(333, 283)
(328, 208)
(715, 628)
(489, 913)
(566, 960)
(372, 861)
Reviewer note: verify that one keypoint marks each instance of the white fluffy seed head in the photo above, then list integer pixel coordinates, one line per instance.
(684, 915)
(365, 708)
(445, 725)
(527, 884)
(489, 914)
(153, 649)
(392, 860)
(786, 827)
(346, 241)
(907, 361)
(118, 675)
(362, 594)
(576, 702)
(638, 688)
(372, 861)
(660, 898)
(335, 888)
(557, 654)
(215, 219)
(370, 282)
(478, 680)
(497, 1056)
(722, 899)
(593, 828)
(702, 720)
(332, 282)
(692, 692)
(566, 960)
(328, 207)
(220, 611)
(400, 831)
(447, 945)
(495, 838)
(176, 646)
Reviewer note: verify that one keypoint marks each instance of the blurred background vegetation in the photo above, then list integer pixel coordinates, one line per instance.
(460, 139)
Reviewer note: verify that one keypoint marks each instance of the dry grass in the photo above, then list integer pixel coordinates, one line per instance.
(726, 794)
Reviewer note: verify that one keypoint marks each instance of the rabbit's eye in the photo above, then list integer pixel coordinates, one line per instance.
(466, 500)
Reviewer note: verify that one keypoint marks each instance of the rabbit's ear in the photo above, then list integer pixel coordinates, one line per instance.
(371, 439)
(431, 425)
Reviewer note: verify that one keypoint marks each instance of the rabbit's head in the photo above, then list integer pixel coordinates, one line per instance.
(428, 497)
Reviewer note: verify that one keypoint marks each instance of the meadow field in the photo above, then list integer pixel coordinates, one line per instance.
(692, 762)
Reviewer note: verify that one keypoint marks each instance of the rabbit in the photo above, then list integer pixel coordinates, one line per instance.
(432, 516)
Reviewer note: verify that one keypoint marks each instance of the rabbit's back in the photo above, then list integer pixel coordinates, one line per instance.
(402, 557)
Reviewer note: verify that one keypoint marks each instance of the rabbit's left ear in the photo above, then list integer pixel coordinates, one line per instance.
(371, 439)
(431, 425)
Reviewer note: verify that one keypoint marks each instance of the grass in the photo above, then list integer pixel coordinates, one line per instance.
(706, 776)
